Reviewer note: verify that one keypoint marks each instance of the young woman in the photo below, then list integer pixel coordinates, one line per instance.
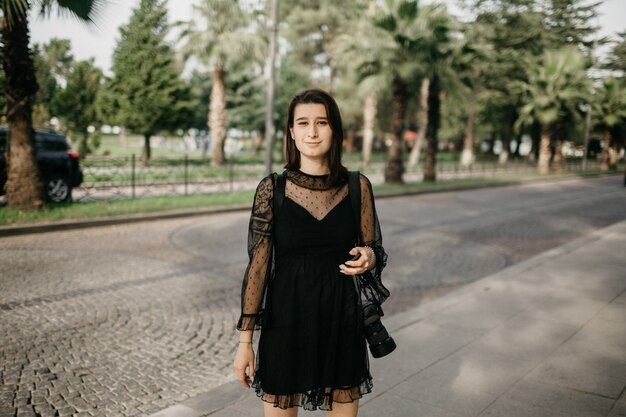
(298, 287)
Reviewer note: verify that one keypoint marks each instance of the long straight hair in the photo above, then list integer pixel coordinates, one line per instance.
(317, 96)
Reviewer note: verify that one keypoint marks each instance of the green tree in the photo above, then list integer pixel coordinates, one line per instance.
(312, 26)
(515, 30)
(53, 63)
(393, 59)
(76, 103)
(570, 22)
(617, 57)
(23, 187)
(199, 85)
(357, 48)
(47, 88)
(556, 85)
(146, 84)
(246, 103)
(221, 40)
(610, 111)
(57, 53)
(436, 48)
(471, 64)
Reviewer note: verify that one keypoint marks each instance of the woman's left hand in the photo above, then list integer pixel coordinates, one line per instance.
(365, 262)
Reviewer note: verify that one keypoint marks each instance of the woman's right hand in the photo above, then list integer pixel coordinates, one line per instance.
(244, 364)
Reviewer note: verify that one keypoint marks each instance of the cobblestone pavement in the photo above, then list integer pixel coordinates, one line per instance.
(127, 320)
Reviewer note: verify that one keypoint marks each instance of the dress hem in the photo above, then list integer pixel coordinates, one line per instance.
(318, 398)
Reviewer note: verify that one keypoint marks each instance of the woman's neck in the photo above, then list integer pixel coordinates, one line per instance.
(314, 167)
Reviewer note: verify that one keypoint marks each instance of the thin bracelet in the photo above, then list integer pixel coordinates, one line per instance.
(370, 251)
(245, 342)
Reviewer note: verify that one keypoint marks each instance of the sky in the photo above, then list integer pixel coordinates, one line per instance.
(99, 40)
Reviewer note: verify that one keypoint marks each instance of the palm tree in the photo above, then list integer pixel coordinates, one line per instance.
(471, 62)
(422, 122)
(610, 108)
(23, 186)
(359, 50)
(434, 51)
(556, 84)
(394, 60)
(435, 48)
(220, 42)
(516, 30)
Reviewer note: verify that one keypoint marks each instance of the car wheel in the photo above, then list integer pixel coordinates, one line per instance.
(58, 190)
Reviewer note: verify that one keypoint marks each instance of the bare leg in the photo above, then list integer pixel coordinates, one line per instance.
(270, 411)
(344, 409)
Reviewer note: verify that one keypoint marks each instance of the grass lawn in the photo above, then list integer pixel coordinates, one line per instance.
(96, 209)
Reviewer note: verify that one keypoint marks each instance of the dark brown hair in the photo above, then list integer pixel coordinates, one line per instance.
(315, 95)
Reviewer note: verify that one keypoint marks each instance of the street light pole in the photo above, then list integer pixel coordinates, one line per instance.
(587, 127)
(269, 111)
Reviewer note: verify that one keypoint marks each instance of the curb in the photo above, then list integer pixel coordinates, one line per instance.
(62, 225)
(114, 220)
(231, 392)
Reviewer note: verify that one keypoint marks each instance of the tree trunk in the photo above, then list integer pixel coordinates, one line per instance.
(349, 140)
(543, 165)
(518, 146)
(557, 161)
(467, 156)
(422, 119)
(123, 138)
(83, 145)
(604, 156)
(507, 132)
(492, 142)
(147, 150)
(535, 135)
(613, 157)
(257, 141)
(217, 118)
(432, 144)
(23, 187)
(369, 120)
(395, 163)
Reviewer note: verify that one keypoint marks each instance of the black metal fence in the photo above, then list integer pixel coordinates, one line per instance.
(107, 178)
(114, 178)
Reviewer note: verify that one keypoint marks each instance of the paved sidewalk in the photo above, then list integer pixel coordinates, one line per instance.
(543, 338)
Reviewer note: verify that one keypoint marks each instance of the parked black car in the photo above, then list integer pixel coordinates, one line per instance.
(58, 164)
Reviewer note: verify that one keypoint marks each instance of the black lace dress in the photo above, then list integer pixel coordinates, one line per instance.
(311, 349)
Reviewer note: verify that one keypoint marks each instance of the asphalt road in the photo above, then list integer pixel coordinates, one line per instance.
(127, 320)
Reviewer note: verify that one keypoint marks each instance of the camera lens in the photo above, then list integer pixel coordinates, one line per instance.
(378, 339)
(382, 349)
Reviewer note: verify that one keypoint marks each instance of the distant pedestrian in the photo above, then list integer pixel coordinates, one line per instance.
(298, 287)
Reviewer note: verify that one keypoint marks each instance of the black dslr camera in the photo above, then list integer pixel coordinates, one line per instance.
(378, 339)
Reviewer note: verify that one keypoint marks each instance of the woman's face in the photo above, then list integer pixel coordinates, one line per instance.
(311, 130)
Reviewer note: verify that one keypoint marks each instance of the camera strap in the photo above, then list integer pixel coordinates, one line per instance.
(279, 193)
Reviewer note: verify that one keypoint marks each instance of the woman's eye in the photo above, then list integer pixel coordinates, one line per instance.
(302, 124)
(322, 122)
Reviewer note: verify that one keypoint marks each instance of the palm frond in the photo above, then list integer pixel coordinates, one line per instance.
(82, 10)
(14, 10)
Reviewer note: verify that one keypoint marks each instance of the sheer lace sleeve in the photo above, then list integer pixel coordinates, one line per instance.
(260, 256)
(372, 237)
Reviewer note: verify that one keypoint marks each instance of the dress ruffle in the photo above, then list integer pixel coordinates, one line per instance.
(318, 398)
